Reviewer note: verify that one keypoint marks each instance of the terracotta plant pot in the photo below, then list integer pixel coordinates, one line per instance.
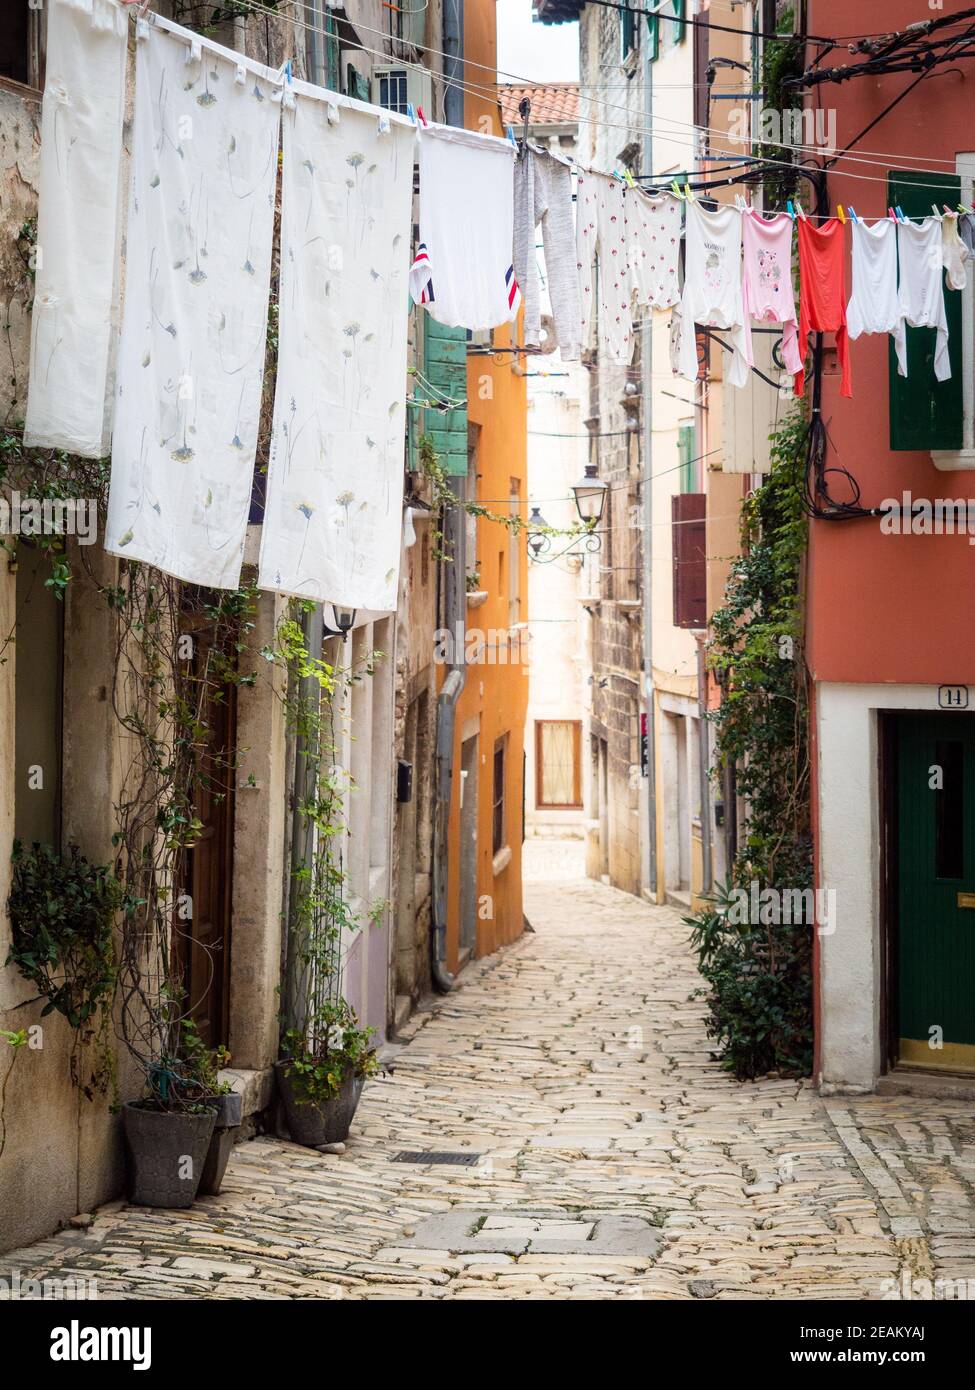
(166, 1153)
(312, 1124)
(227, 1110)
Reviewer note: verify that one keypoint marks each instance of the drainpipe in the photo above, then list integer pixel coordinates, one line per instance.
(646, 368)
(704, 758)
(455, 612)
(455, 585)
(453, 62)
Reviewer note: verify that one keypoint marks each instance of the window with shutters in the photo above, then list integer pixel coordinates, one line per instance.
(628, 34)
(444, 385)
(690, 563)
(558, 775)
(686, 456)
(926, 413)
(663, 26)
(498, 816)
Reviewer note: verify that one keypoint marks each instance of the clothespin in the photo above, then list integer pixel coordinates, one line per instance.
(799, 210)
(948, 210)
(840, 213)
(240, 74)
(194, 52)
(510, 132)
(892, 214)
(688, 192)
(849, 208)
(900, 213)
(677, 192)
(790, 210)
(631, 181)
(420, 116)
(934, 209)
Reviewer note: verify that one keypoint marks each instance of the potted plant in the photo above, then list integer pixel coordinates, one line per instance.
(204, 1064)
(167, 1135)
(321, 1075)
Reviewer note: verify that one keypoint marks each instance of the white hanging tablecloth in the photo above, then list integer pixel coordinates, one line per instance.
(74, 321)
(197, 284)
(333, 521)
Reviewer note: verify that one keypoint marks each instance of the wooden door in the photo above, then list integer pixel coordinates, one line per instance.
(203, 943)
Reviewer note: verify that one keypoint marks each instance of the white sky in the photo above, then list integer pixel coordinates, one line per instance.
(539, 52)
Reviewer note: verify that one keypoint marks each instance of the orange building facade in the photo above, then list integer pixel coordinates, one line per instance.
(486, 814)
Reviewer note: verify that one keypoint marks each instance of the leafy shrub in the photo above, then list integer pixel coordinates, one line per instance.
(62, 913)
(760, 1000)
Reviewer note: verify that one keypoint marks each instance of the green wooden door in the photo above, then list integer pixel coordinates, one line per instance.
(936, 859)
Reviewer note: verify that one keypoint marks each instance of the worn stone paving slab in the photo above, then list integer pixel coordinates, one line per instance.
(617, 1159)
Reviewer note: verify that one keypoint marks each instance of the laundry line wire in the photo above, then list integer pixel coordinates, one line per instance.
(669, 136)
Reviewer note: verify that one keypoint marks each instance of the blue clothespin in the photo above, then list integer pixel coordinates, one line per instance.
(410, 112)
(900, 214)
(511, 135)
(852, 213)
(791, 210)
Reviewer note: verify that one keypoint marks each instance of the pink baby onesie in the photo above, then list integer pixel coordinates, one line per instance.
(767, 281)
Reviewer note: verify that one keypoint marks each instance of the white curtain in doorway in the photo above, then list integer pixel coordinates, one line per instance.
(198, 277)
(74, 318)
(333, 522)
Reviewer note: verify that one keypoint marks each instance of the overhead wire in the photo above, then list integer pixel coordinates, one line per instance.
(674, 128)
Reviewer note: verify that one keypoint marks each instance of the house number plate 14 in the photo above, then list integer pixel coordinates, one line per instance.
(953, 697)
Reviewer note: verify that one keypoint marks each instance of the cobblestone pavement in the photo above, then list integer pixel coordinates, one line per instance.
(617, 1160)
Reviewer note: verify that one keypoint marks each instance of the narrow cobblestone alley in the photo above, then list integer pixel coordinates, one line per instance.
(616, 1160)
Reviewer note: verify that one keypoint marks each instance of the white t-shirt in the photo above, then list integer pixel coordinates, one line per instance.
(874, 305)
(921, 298)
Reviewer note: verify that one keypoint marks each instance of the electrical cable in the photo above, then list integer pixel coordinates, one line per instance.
(489, 91)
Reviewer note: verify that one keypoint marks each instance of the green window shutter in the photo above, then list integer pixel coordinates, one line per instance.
(332, 78)
(653, 36)
(925, 413)
(679, 31)
(356, 85)
(685, 453)
(445, 368)
(627, 33)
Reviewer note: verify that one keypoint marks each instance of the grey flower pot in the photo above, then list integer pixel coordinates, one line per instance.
(166, 1153)
(312, 1124)
(227, 1109)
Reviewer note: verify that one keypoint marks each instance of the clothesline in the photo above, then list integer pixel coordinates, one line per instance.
(207, 128)
(489, 90)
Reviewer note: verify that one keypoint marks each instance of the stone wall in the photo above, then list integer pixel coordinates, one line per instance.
(613, 141)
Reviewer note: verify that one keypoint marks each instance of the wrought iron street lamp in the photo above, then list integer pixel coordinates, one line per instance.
(590, 495)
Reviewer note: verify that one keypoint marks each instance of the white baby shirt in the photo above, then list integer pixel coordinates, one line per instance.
(712, 287)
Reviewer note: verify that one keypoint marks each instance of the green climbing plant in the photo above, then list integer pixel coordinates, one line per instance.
(758, 970)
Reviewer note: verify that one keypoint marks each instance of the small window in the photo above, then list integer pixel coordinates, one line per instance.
(665, 20)
(498, 816)
(557, 757)
(392, 91)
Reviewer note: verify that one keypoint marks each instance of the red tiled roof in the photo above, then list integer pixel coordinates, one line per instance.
(555, 103)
